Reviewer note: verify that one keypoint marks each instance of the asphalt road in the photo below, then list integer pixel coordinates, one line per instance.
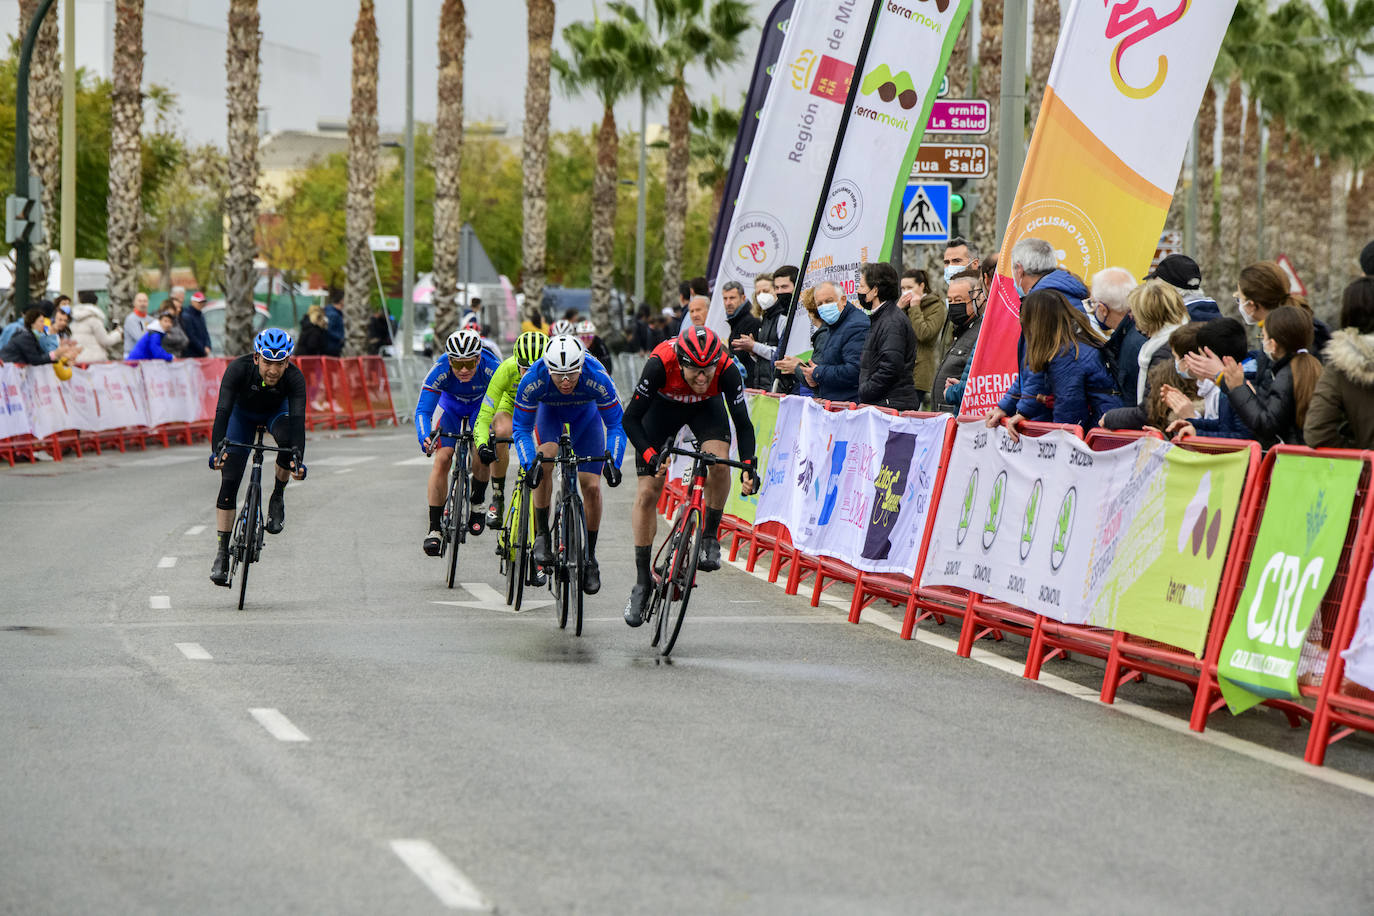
(784, 762)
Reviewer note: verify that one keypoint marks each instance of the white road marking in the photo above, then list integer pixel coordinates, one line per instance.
(159, 461)
(441, 876)
(159, 602)
(194, 530)
(194, 652)
(743, 601)
(341, 461)
(277, 725)
(489, 599)
(166, 562)
(417, 461)
(345, 471)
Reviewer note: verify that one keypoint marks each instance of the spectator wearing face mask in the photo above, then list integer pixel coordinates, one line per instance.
(763, 285)
(833, 372)
(1342, 410)
(965, 306)
(819, 332)
(765, 344)
(889, 354)
(960, 255)
(1111, 309)
(1264, 287)
(929, 322)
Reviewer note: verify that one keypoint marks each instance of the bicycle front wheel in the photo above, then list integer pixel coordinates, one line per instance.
(457, 502)
(682, 578)
(251, 521)
(577, 563)
(562, 579)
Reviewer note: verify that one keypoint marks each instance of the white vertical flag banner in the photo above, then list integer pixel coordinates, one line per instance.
(905, 64)
(792, 149)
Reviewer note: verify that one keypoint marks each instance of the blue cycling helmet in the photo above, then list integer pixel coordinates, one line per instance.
(273, 344)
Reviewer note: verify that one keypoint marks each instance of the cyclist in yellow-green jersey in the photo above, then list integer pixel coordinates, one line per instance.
(494, 417)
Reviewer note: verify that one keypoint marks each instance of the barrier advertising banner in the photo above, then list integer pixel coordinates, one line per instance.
(1359, 658)
(1105, 154)
(1132, 539)
(14, 415)
(791, 153)
(853, 484)
(763, 411)
(43, 398)
(1295, 556)
(904, 67)
(115, 385)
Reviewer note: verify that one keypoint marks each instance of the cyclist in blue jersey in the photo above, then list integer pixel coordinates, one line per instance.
(456, 385)
(569, 387)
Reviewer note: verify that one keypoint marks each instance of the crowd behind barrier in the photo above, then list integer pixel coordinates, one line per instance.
(1158, 558)
(119, 404)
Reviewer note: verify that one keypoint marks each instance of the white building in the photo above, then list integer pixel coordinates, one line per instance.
(184, 48)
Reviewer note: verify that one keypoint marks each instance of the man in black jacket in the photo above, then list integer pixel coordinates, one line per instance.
(890, 352)
(765, 344)
(742, 322)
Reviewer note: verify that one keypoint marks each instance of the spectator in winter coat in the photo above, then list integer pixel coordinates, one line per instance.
(334, 318)
(833, 372)
(59, 324)
(193, 323)
(1182, 273)
(135, 323)
(742, 322)
(965, 306)
(763, 286)
(175, 340)
(314, 334)
(149, 346)
(1111, 289)
(1342, 410)
(88, 330)
(1158, 311)
(930, 323)
(765, 344)
(820, 333)
(24, 346)
(1064, 370)
(889, 355)
(379, 330)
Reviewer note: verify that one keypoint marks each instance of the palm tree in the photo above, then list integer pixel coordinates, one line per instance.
(689, 35)
(241, 203)
(611, 58)
(126, 159)
(714, 131)
(362, 178)
(535, 149)
(45, 141)
(447, 153)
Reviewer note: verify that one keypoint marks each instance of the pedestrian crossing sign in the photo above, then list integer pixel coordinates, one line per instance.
(925, 212)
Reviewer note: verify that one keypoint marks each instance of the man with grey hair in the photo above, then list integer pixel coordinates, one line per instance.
(960, 255)
(742, 321)
(175, 341)
(833, 373)
(1110, 289)
(697, 307)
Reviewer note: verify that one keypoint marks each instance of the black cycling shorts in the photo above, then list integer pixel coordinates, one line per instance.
(706, 419)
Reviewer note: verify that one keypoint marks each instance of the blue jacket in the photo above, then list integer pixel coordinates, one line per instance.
(149, 346)
(197, 335)
(1082, 387)
(594, 386)
(1227, 425)
(334, 330)
(1027, 383)
(1124, 345)
(14, 327)
(837, 365)
(1202, 309)
(441, 382)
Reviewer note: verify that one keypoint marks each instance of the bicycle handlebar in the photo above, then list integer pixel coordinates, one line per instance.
(709, 459)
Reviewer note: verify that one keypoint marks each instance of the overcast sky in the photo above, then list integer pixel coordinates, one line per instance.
(494, 66)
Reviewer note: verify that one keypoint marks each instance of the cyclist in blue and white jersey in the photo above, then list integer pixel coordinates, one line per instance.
(569, 387)
(456, 385)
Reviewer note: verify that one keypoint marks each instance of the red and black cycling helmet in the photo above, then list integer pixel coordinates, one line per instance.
(699, 348)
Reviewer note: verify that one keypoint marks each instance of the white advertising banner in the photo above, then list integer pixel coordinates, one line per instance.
(1359, 658)
(79, 393)
(43, 399)
(854, 485)
(791, 153)
(172, 390)
(14, 416)
(903, 70)
(119, 390)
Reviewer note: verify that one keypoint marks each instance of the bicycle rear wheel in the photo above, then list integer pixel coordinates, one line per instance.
(683, 579)
(251, 520)
(457, 502)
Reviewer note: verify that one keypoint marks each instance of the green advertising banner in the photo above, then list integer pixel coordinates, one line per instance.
(764, 412)
(1296, 552)
(1165, 529)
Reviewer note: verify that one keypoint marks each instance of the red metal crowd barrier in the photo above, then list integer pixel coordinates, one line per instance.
(1333, 704)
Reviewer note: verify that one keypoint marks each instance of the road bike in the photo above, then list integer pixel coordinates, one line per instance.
(245, 544)
(514, 543)
(568, 532)
(675, 564)
(453, 525)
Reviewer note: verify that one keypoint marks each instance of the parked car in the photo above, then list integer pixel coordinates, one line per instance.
(214, 323)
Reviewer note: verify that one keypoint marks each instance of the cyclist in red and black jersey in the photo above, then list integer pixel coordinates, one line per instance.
(688, 381)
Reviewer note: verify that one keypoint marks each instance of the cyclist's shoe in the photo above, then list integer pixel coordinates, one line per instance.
(276, 513)
(496, 511)
(537, 578)
(542, 554)
(591, 578)
(477, 520)
(709, 558)
(433, 542)
(639, 599)
(219, 570)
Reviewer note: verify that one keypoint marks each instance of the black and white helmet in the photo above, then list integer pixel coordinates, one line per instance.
(463, 344)
(561, 328)
(564, 355)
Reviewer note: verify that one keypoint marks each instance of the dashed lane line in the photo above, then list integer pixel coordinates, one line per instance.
(341, 461)
(194, 651)
(451, 886)
(166, 562)
(277, 725)
(159, 602)
(418, 461)
(194, 530)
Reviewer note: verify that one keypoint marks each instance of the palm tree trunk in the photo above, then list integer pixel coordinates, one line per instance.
(241, 203)
(535, 150)
(362, 179)
(1232, 144)
(125, 208)
(603, 219)
(448, 156)
(675, 190)
(45, 139)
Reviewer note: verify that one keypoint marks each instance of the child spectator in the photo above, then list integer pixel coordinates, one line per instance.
(149, 346)
(1221, 341)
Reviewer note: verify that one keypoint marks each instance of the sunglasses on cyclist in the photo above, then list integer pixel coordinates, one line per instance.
(463, 365)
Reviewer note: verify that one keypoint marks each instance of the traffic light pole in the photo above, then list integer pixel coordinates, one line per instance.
(21, 152)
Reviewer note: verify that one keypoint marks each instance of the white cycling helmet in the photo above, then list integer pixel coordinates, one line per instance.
(561, 328)
(586, 329)
(564, 355)
(463, 344)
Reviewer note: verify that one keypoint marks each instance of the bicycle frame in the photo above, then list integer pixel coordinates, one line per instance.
(247, 538)
(453, 532)
(568, 510)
